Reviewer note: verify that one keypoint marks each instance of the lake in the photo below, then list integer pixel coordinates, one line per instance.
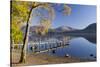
(76, 46)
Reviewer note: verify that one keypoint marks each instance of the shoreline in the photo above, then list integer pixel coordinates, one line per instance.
(41, 59)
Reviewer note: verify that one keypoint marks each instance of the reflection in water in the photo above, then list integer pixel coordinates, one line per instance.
(53, 51)
(78, 47)
(91, 39)
(81, 47)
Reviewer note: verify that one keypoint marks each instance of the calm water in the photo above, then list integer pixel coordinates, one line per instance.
(80, 47)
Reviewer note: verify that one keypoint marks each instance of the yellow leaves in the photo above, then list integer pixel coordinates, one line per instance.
(67, 10)
(16, 33)
(42, 29)
(20, 9)
(45, 18)
(19, 12)
(45, 24)
(50, 10)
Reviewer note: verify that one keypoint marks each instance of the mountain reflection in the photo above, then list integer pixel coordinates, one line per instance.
(91, 39)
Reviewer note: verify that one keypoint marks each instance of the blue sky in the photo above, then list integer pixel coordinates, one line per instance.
(80, 17)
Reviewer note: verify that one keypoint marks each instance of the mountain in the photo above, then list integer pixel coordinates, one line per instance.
(59, 29)
(32, 28)
(64, 28)
(90, 28)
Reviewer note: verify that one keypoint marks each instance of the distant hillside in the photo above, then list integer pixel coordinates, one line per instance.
(59, 29)
(64, 28)
(90, 28)
(32, 28)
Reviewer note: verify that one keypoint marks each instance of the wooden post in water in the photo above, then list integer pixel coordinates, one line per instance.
(44, 46)
(50, 46)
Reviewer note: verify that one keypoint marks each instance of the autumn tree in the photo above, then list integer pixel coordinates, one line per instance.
(21, 13)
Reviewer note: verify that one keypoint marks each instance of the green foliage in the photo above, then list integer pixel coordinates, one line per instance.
(19, 15)
(67, 10)
(19, 12)
(17, 35)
